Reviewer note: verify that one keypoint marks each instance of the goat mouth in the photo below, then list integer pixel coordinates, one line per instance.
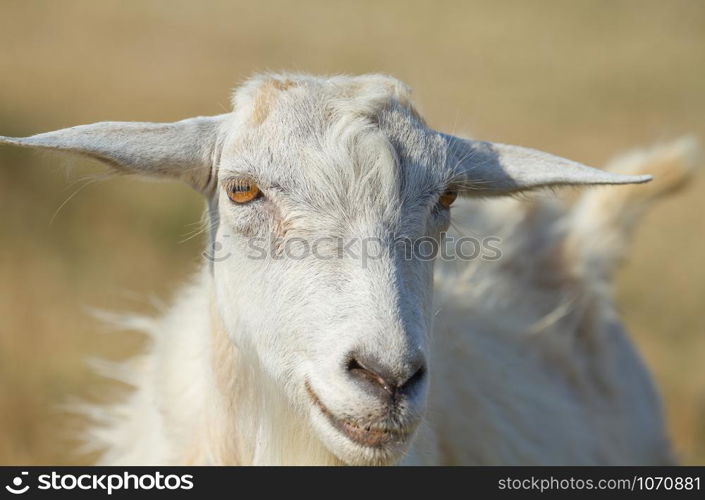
(363, 435)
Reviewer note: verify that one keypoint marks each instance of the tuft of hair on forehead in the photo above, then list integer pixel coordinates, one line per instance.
(341, 95)
(265, 96)
(340, 124)
(367, 95)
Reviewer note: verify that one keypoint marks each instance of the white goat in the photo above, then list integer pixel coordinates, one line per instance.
(315, 348)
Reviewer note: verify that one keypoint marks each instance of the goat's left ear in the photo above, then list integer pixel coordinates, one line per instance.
(183, 150)
(493, 169)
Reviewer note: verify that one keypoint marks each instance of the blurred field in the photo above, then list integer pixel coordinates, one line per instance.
(584, 79)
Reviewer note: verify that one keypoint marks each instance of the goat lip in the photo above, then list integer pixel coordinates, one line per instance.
(362, 435)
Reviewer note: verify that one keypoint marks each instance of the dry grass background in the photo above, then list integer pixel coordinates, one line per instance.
(584, 79)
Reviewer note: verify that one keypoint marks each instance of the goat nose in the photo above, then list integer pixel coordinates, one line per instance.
(380, 380)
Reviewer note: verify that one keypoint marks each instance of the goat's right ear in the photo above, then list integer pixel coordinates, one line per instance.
(493, 169)
(184, 150)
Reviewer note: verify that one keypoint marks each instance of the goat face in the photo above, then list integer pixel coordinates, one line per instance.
(327, 220)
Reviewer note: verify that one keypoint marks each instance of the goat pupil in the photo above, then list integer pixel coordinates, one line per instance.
(447, 198)
(243, 191)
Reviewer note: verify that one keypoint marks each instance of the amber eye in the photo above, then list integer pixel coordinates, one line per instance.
(447, 198)
(242, 190)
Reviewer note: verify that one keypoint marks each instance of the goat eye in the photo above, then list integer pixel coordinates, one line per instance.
(242, 190)
(447, 198)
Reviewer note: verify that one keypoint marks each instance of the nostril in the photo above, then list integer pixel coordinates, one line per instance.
(380, 380)
(372, 376)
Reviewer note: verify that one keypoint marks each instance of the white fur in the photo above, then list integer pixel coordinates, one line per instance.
(527, 360)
